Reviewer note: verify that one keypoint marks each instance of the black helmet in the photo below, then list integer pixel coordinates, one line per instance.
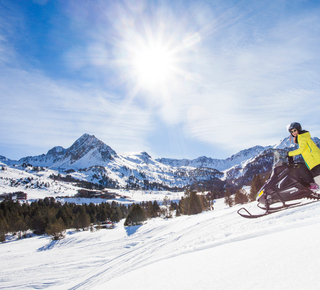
(294, 125)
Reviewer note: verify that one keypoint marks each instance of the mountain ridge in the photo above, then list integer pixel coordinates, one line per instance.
(90, 159)
(98, 150)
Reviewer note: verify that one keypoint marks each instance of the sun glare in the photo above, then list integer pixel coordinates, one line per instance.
(153, 57)
(153, 65)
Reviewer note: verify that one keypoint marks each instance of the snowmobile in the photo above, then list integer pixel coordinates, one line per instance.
(284, 188)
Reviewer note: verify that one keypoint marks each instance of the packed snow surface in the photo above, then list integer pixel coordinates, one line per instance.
(213, 250)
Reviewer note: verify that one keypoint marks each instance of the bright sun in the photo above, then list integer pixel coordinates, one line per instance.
(153, 65)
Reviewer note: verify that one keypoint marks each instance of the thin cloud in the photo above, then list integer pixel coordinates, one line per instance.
(256, 83)
(242, 72)
(39, 109)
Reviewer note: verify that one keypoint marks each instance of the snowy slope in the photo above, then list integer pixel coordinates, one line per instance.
(36, 184)
(212, 250)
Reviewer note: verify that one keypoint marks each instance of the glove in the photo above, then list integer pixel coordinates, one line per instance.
(290, 159)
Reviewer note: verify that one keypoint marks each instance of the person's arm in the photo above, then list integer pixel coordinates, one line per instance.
(302, 147)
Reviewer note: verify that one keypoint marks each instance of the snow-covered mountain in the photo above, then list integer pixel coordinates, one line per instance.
(288, 143)
(85, 152)
(219, 164)
(91, 160)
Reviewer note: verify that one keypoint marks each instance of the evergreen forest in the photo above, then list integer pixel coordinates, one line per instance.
(51, 217)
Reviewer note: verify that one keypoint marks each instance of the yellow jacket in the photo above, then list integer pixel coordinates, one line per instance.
(308, 149)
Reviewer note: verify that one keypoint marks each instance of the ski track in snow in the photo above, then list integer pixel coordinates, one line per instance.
(84, 260)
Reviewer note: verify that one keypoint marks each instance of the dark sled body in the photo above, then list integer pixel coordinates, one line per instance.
(285, 184)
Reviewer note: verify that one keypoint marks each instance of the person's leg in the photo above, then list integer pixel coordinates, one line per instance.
(316, 174)
(306, 175)
(317, 180)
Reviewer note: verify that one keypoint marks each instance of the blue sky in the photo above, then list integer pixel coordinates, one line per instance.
(178, 79)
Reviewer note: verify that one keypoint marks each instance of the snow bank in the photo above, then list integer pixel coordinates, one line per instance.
(284, 260)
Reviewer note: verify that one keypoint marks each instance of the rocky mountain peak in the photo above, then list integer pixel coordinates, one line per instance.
(57, 150)
(85, 151)
(90, 147)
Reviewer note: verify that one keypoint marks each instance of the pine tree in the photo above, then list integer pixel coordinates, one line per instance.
(256, 185)
(136, 216)
(240, 197)
(103, 216)
(20, 227)
(82, 220)
(39, 223)
(116, 215)
(56, 230)
(149, 209)
(63, 213)
(184, 205)
(228, 200)
(3, 229)
(156, 209)
(194, 203)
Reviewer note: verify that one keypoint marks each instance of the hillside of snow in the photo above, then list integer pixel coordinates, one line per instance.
(36, 183)
(212, 250)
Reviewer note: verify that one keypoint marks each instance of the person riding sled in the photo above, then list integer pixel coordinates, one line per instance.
(309, 151)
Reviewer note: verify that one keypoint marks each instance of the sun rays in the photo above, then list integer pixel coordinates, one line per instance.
(153, 65)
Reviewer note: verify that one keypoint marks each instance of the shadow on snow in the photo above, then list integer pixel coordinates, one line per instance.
(131, 230)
